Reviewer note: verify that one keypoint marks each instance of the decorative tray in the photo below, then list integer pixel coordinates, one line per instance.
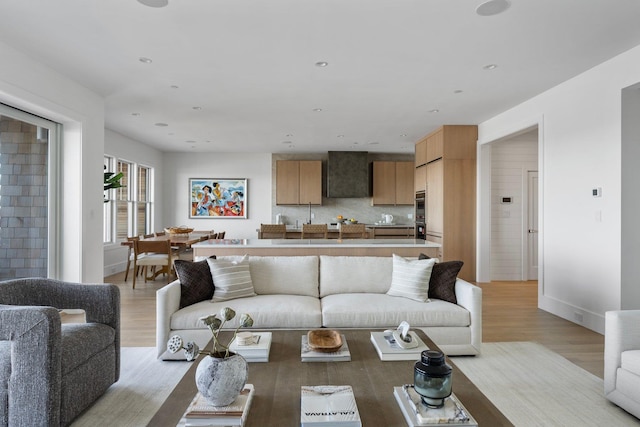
(324, 340)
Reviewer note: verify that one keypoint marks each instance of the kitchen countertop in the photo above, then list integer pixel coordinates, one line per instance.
(316, 243)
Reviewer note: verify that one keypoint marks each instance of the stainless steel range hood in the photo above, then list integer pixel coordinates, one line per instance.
(348, 174)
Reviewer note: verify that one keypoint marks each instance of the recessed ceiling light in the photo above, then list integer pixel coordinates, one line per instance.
(457, 91)
(197, 108)
(135, 114)
(289, 135)
(154, 3)
(340, 136)
(145, 60)
(490, 67)
(322, 64)
(174, 86)
(317, 110)
(493, 7)
(162, 124)
(403, 135)
(374, 143)
(286, 142)
(190, 142)
(435, 110)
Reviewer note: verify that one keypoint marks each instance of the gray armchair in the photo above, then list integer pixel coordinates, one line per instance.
(622, 359)
(51, 372)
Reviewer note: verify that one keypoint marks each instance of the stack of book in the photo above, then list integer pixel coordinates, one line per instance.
(388, 348)
(201, 413)
(417, 414)
(328, 405)
(308, 354)
(255, 351)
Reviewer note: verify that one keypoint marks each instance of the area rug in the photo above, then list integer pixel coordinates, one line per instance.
(533, 386)
(145, 383)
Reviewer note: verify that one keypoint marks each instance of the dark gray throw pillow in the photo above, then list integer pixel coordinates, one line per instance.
(196, 283)
(442, 284)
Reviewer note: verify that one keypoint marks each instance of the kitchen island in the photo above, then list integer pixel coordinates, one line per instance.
(374, 231)
(345, 247)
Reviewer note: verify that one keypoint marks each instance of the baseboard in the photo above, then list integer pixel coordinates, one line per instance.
(112, 269)
(577, 315)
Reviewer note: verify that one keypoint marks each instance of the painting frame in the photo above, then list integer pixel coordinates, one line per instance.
(218, 198)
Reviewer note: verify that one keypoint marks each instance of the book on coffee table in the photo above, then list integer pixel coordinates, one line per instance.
(417, 414)
(328, 405)
(308, 354)
(202, 413)
(257, 351)
(388, 348)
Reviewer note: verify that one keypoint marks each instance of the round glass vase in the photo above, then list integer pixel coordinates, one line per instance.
(432, 378)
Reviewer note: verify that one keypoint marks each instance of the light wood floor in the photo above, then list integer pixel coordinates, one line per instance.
(510, 313)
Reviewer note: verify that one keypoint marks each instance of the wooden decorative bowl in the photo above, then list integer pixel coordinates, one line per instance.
(178, 230)
(325, 340)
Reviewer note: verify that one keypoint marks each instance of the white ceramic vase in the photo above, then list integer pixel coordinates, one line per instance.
(221, 379)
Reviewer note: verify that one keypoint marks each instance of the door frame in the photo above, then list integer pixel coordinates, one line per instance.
(483, 203)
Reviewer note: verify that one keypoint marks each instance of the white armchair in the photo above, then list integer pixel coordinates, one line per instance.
(622, 359)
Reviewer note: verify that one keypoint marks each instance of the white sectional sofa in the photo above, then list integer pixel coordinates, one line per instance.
(340, 292)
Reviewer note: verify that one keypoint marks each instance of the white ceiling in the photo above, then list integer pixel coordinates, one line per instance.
(249, 64)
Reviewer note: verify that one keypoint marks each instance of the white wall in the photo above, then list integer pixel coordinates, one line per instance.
(35, 88)
(121, 147)
(180, 167)
(510, 161)
(581, 149)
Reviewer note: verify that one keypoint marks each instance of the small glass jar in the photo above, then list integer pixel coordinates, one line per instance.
(432, 378)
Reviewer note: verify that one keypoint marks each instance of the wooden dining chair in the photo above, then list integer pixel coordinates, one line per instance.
(221, 234)
(273, 231)
(160, 233)
(311, 231)
(130, 257)
(352, 231)
(153, 253)
(146, 236)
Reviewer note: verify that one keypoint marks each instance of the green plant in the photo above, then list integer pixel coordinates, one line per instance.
(112, 180)
(191, 349)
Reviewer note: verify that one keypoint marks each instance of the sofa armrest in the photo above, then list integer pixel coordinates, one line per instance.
(469, 296)
(34, 392)
(167, 303)
(621, 333)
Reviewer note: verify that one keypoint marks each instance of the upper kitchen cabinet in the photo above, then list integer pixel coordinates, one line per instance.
(393, 183)
(298, 182)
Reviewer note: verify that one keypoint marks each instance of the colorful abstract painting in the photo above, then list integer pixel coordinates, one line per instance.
(218, 198)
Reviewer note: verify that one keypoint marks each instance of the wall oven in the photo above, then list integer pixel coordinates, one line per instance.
(420, 215)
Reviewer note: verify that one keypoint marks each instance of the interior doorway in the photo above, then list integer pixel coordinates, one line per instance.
(509, 208)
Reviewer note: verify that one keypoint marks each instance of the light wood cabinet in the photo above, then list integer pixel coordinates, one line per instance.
(393, 183)
(450, 175)
(298, 182)
(421, 153)
(420, 178)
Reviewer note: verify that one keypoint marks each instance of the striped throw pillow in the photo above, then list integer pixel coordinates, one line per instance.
(232, 279)
(410, 278)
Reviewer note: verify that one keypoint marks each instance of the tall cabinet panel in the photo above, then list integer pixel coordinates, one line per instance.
(393, 183)
(310, 182)
(451, 193)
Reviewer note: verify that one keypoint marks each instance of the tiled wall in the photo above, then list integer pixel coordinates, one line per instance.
(23, 200)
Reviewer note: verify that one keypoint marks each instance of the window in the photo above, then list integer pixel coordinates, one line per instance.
(128, 210)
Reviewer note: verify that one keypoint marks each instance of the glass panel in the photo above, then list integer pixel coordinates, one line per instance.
(24, 218)
(123, 192)
(141, 218)
(143, 174)
(122, 223)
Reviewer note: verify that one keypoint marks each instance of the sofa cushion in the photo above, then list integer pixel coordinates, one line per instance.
(231, 279)
(630, 361)
(267, 311)
(410, 278)
(196, 283)
(356, 310)
(75, 337)
(341, 274)
(442, 284)
(295, 275)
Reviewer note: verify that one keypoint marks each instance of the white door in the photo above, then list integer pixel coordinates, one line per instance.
(532, 226)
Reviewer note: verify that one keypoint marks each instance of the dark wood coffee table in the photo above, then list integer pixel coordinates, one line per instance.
(277, 383)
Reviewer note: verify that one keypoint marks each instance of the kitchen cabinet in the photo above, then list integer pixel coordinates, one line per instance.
(420, 178)
(393, 183)
(450, 175)
(421, 153)
(298, 182)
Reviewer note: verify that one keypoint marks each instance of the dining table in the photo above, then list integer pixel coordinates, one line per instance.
(179, 240)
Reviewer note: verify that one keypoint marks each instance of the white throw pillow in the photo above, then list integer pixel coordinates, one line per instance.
(231, 279)
(410, 278)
